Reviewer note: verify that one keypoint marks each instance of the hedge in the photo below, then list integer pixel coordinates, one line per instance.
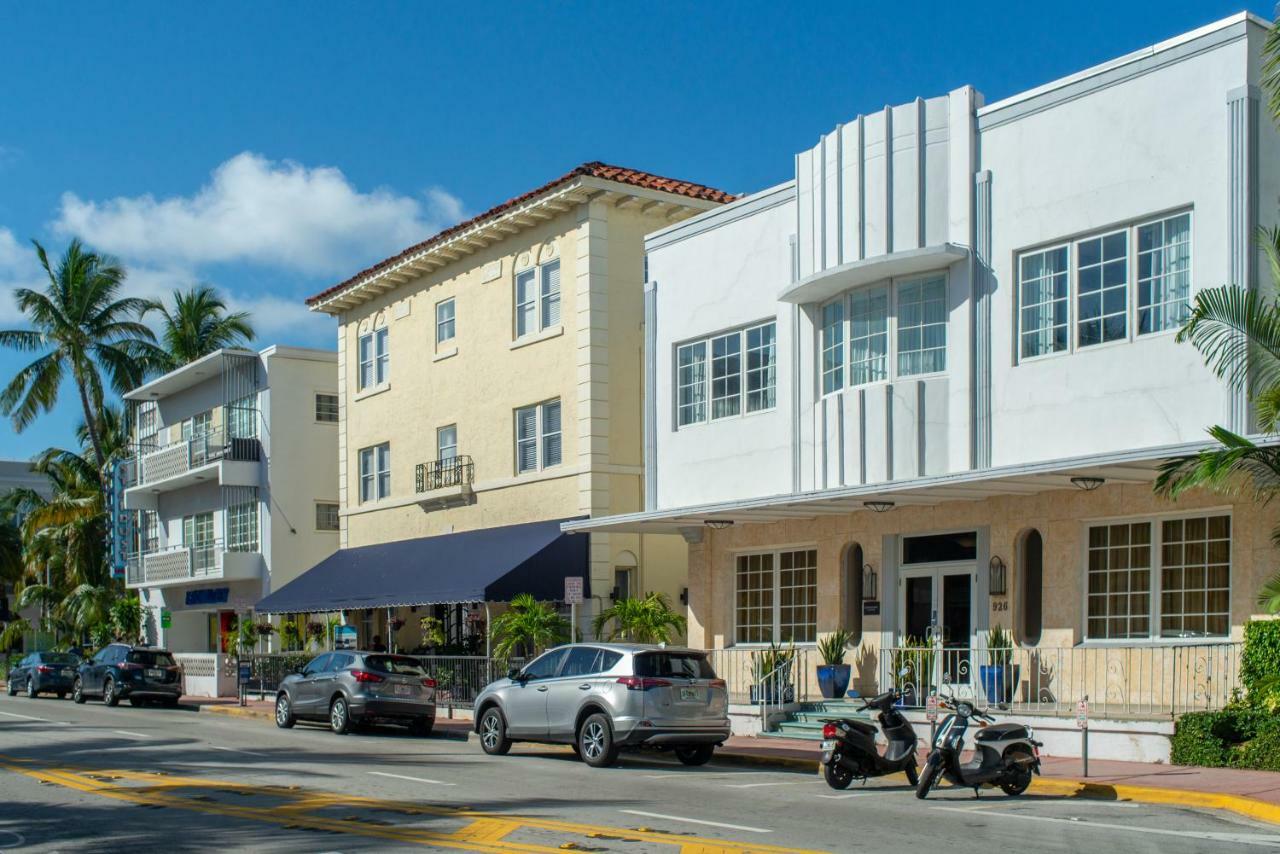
(1236, 737)
(1261, 657)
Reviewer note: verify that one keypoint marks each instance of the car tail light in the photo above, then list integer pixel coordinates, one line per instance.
(829, 731)
(130, 665)
(44, 668)
(718, 683)
(428, 682)
(642, 683)
(366, 676)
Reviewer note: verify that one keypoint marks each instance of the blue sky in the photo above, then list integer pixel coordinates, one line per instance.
(273, 149)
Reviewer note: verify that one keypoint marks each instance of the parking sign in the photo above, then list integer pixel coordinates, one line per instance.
(573, 590)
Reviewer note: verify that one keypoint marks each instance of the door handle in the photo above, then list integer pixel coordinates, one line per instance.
(542, 688)
(585, 686)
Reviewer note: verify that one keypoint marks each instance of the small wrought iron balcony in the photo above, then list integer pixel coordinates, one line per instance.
(442, 474)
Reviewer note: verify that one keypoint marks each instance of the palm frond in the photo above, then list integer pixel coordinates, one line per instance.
(1269, 595)
(1238, 333)
(1238, 466)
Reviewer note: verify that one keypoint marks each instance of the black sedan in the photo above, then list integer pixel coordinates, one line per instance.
(44, 673)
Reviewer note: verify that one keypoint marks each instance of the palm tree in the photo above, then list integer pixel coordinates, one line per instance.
(198, 325)
(83, 329)
(526, 627)
(647, 620)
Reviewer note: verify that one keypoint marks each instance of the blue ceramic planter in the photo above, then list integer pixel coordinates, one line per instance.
(833, 679)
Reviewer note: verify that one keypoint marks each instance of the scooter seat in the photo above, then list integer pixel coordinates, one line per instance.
(1001, 732)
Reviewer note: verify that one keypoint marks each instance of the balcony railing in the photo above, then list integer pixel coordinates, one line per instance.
(179, 563)
(439, 474)
(183, 456)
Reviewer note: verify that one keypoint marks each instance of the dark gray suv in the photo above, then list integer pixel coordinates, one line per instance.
(351, 688)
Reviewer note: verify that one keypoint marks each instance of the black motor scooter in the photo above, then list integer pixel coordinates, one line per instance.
(849, 745)
(1005, 755)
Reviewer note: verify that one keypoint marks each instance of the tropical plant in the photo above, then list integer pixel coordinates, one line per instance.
(84, 331)
(832, 647)
(198, 324)
(775, 661)
(526, 627)
(909, 661)
(246, 636)
(13, 633)
(644, 620)
(291, 635)
(432, 631)
(315, 633)
(999, 646)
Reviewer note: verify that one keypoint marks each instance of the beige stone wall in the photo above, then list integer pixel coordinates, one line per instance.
(1060, 516)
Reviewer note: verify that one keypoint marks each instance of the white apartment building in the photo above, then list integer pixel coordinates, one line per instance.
(231, 492)
(922, 390)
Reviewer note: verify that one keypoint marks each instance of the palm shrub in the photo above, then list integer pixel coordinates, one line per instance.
(645, 620)
(832, 647)
(999, 647)
(198, 324)
(126, 618)
(291, 635)
(526, 627)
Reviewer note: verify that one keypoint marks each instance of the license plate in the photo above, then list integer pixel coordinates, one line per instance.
(152, 673)
(402, 689)
(828, 746)
(689, 694)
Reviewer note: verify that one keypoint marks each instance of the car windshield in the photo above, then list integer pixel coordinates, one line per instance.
(400, 665)
(59, 658)
(150, 659)
(686, 665)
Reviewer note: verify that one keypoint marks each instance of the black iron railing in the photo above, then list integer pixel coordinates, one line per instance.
(437, 474)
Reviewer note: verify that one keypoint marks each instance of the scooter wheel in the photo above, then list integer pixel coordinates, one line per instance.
(1018, 777)
(837, 776)
(929, 776)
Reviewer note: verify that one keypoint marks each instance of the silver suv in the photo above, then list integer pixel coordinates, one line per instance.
(351, 688)
(603, 697)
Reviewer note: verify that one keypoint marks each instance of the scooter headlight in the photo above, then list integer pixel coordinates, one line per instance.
(1031, 734)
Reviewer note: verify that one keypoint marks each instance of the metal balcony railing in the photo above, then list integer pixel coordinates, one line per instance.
(438, 474)
(182, 456)
(200, 560)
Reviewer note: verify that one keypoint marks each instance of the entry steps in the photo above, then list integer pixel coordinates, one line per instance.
(806, 723)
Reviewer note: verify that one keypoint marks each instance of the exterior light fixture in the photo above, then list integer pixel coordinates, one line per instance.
(868, 583)
(998, 577)
(684, 595)
(878, 506)
(719, 524)
(1088, 484)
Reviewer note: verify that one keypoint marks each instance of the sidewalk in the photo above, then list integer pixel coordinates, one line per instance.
(1255, 794)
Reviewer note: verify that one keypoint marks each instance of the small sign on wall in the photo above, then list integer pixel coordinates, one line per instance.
(870, 609)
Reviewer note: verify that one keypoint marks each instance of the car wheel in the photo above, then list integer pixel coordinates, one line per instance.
(109, 697)
(697, 755)
(77, 691)
(422, 726)
(836, 775)
(32, 693)
(12, 688)
(284, 712)
(493, 733)
(340, 716)
(595, 742)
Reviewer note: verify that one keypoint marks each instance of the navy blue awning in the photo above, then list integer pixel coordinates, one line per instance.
(486, 565)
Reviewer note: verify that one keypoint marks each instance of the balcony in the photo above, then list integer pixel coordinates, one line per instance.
(183, 564)
(444, 483)
(209, 457)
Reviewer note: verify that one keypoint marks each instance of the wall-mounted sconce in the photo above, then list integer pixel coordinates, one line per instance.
(869, 580)
(684, 595)
(719, 524)
(615, 594)
(878, 506)
(1088, 484)
(997, 580)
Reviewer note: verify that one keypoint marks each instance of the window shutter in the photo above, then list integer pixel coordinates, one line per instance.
(526, 439)
(551, 295)
(551, 434)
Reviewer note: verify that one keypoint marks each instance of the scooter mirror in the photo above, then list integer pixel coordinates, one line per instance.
(904, 671)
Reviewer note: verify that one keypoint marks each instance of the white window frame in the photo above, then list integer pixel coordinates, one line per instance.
(336, 407)
(377, 473)
(1127, 313)
(831, 342)
(775, 555)
(377, 361)
(542, 302)
(1132, 308)
(1022, 330)
(240, 538)
(446, 328)
(704, 407)
(541, 435)
(1137, 281)
(337, 516)
(1155, 590)
(441, 447)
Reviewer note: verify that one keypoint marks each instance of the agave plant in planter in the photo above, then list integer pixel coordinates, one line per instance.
(833, 673)
(1000, 675)
(771, 674)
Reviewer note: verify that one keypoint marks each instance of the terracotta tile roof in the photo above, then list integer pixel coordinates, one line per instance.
(594, 169)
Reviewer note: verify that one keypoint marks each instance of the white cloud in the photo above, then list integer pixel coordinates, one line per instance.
(19, 268)
(254, 210)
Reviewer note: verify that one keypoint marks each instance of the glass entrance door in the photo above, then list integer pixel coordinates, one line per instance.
(937, 613)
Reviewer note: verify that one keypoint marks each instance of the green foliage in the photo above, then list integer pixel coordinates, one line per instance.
(1236, 737)
(526, 627)
(432, 631)
(909, 660)
(198, 324)
(645, 620)
(1260, 664)
(126, 618)
(246, 636)
(100, 635)
(291, 635)
(777, 660)
(832, 647)
(13, 633)
(999, 646)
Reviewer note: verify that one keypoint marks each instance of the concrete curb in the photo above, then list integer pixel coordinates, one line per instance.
(1239, 804)
(446, 733)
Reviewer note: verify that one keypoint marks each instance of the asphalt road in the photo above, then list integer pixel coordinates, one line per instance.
(89, 778)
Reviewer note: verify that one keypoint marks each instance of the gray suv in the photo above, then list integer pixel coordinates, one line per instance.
(351, 688)
(604, 697)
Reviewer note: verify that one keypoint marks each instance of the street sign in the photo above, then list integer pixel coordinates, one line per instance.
(1082, 714)
(573, 590)
(166, 618)
(931, 709)
(246, 673)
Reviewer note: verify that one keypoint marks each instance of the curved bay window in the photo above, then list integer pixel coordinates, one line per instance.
(1031, 582)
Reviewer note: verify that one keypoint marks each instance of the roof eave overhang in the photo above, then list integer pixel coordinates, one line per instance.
(558, 200)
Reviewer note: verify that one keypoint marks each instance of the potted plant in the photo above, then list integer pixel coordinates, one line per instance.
(315, 633)
(999, 675)
(291, 635)
(773, 664)
(833, 673)
(910, 663)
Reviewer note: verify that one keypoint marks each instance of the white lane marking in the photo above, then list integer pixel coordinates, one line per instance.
(132, 734)
(858, 795)
(698, 821)
(34, 718)
(772, 783)
(1248, 838)
(698, 775)
(414, 779)
(235, 750)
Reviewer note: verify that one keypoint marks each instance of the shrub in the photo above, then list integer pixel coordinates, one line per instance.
(1198, 740)
(1260, 662)
(1239, 736)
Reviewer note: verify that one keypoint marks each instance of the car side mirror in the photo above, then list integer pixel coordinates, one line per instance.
(514, 674)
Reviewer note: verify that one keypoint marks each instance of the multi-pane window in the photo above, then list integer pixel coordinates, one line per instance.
(327, 408)
(726, 375)
(242, 418)
(148, 425)
(777, 597)
(445, 328)
(375, 472)
(326, 516)
(538, 436)
(922, 327)
(537, 299)
(150, 530)
(1164, 273)
(869, 335)
(200, 424)
(197, 535)
(1102, 283)
(447, 442)
(1043, 291)
(242, 527)
(832, 347)
(722, 381)
(374, 358)
(1159, 579)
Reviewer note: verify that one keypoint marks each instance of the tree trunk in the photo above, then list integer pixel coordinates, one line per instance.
(91, 423)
